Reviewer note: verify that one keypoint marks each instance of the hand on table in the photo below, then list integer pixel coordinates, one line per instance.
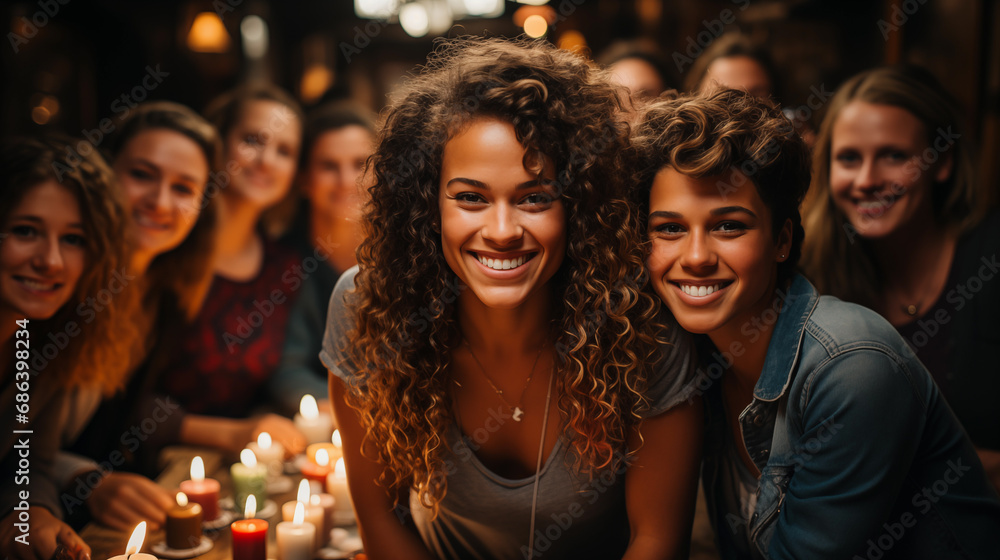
(282, 430)
(122, 500)
(47, 534)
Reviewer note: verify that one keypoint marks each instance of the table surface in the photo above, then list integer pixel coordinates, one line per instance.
(105, 542)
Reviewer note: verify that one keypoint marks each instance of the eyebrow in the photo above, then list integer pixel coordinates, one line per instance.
(37, 220)
(481, 185)
(714, 212)
(146, 162)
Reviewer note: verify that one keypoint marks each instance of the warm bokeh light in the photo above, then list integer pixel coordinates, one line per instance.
(322, 458)
(264, 440)
(197, 468)
(573, 41)
(414, 19)
(248, 459)
(182, 499)
(337, 442)
(308, 407)
(208, 34)
(535, 26)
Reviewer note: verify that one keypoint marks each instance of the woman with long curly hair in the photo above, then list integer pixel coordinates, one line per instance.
(62, 238)
(504, 387)
(896, 204)
(826, 437)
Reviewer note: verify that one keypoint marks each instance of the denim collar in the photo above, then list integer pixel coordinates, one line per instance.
(798, 303)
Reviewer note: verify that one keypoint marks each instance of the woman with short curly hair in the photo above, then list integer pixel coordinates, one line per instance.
(825, 435)
(494, 362)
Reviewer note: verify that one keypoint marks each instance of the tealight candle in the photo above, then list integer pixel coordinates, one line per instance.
(313, 513)
(249, 535)
(249, 478)
(270, 453)
(336, 484)
(335, 449)
(319, 469)
(314, 425)
(134, 545)
(296, 538)
(201, 490)
(184, 524)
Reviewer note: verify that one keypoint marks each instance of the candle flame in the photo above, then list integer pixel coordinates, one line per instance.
(197, 468)
(248, 459)
(337, 442)
(308, 407)
(300, 513)
(339, 470)
(322, 457)
(303, 494)
(314, 500)
(135, 541)
(251, 509)
(182, 499)
(264, 440)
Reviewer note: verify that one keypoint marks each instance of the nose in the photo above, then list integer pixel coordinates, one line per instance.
(161, 197)
(698, 253)
(868, 177)
(502, 226)
(49, 257)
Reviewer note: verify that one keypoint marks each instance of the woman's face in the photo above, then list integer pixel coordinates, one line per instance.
(737, 72)
(881, 173)
(713, 258)
(163, 174)
(264, 144)
(503, 230)
(42, 252)
(335, 165)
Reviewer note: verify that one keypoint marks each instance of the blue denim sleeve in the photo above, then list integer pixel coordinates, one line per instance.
(859, 416)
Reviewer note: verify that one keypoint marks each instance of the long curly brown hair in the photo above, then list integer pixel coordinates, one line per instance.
(96, 356)
(606, 327)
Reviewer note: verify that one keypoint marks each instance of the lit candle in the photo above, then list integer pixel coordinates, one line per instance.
(134, 545)
(249, 478)
(335, 449)
(249, 535)
(336, 484)
(313, 513)
(327, 502)
(201, 490)
(313, 424)
(184, 524)
(296, 538)
(319, 469)
(269, 453)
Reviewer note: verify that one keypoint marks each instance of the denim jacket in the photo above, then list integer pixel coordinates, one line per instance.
(860, 456)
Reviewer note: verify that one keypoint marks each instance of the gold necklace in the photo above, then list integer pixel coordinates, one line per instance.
(518, 412)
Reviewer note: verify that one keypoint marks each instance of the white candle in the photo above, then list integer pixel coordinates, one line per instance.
(336, 484)
(269, 453)
(134, 544)
(313, 512)
(296, 538)
(314, 425)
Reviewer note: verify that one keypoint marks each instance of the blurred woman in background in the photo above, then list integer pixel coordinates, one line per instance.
(912, 234)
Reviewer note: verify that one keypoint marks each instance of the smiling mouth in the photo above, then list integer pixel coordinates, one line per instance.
(701, 290)
(37, 286)
(145, 221)
(504, 264)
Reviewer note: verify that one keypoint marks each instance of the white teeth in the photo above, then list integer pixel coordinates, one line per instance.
(147, 222)
(37, 285)
(700, 291)
(874, 205)
(502, 264)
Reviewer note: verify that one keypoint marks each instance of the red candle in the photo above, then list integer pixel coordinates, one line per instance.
(249, 535)
(201, 490)
(312, 471)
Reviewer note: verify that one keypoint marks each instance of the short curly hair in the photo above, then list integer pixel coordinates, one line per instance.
(562, 106)
(730, 135)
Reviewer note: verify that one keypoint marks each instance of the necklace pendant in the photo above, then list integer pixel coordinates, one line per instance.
(518, 413)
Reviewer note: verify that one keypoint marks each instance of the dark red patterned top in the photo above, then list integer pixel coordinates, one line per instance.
(233, 347)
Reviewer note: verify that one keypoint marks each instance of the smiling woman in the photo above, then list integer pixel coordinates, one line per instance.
(62, 236)
(487, 420)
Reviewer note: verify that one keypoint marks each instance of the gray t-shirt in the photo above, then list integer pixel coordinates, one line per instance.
(487, 516)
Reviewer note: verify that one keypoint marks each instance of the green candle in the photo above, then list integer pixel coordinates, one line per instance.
(249, 478)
